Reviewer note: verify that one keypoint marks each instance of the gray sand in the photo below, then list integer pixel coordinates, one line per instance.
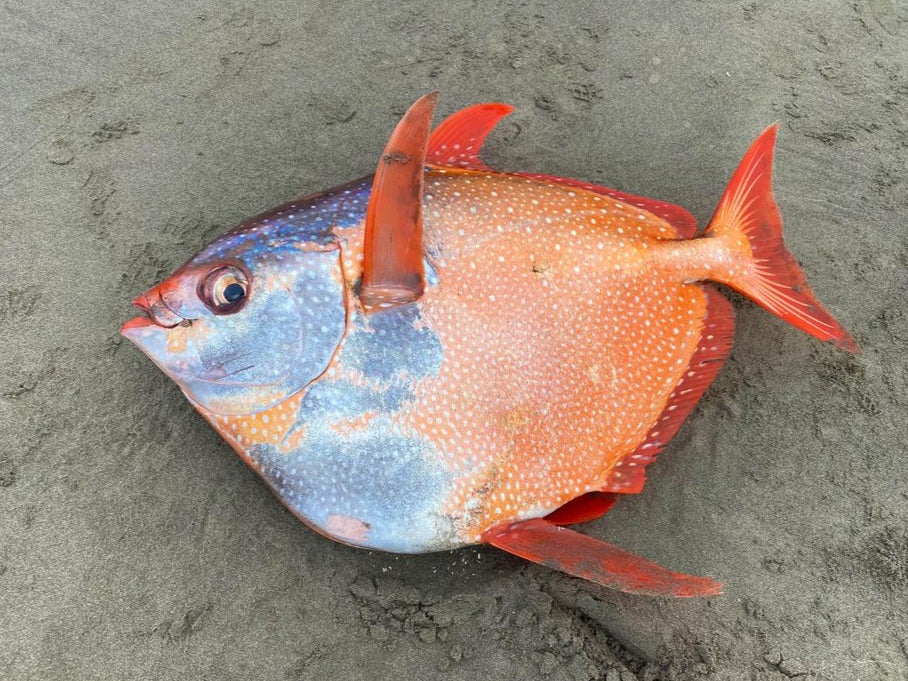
(135, 545)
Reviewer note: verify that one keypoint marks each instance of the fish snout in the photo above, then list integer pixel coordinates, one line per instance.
(152, 303)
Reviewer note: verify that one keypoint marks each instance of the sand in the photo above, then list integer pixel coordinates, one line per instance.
(135, 545)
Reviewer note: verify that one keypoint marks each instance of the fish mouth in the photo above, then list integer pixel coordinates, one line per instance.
(156, 313)
(135, 324)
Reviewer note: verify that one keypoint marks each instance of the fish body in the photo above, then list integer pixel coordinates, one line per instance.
(550, 339)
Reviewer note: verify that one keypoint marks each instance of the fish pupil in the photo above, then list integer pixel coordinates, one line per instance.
(234, 292)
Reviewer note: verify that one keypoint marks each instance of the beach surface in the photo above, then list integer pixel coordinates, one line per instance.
(134, 544)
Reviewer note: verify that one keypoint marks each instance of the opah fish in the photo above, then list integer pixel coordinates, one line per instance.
(442, 354)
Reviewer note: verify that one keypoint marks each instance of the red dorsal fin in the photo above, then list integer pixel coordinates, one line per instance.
(676, 216)
(458, 139)
(540, 541)
(713, 347)
(584, 508)
(393, 250)
(684, 223)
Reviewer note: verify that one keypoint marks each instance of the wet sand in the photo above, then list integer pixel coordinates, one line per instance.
(135, 545)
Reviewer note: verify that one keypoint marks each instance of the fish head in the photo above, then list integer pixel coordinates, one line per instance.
(249, 321)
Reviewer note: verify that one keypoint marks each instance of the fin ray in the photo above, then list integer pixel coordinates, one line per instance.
(680, 218)
(458, 139)
(540, 541)
(393, 271)
(748, 219)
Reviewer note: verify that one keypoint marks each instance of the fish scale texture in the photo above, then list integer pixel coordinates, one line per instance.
(555, 288)
(561, 288)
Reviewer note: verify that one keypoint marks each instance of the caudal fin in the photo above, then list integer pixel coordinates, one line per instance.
(748, 219)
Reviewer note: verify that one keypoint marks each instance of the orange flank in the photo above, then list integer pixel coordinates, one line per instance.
(562, 290)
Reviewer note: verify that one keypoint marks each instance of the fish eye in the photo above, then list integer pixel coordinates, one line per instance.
(224, 290)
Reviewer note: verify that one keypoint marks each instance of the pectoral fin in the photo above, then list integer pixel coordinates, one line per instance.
(540, 541)
(393, 271)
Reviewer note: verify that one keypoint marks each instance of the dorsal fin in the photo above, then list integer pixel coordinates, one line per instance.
(458, 138)
(679, 218)
(393, 249)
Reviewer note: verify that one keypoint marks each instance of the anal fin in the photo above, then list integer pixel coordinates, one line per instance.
(713, 347)
(540, 541)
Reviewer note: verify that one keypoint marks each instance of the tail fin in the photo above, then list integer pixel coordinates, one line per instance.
(749, 221)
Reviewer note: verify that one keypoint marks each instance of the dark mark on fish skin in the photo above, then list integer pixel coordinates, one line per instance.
(541, 268)
(396, 157)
